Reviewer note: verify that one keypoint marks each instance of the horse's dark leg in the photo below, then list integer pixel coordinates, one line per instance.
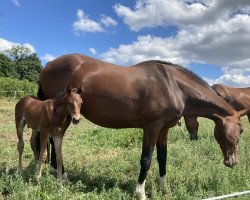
(248, 116)
(53, 162)
(192, 126)
(150, 136)
(161, 146)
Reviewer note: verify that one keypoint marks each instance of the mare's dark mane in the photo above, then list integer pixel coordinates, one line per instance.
(191, 73)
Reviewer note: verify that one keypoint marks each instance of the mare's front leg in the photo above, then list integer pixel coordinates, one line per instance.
(150, 135)
(192, 126)
(161, 146)
(44, 135)
(59, 158)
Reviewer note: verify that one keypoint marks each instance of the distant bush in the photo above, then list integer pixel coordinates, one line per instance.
(11, 87)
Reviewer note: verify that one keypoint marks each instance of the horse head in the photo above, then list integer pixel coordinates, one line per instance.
(227, 133)
(74, 103)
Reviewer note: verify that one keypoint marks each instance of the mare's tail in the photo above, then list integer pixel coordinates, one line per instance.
(40, 93)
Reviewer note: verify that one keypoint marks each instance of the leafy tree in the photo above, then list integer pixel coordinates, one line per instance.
(19, 62)
(6, 66)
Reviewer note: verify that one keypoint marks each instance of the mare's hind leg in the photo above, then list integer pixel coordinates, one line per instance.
(42, 156)
(192, 126)
(161, 146)
(150, 135)
(33, 144)
(20, 144)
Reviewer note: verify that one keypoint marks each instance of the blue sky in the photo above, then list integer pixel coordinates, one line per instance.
(210, 37)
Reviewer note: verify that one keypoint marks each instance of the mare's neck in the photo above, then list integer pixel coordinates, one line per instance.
(204, 102)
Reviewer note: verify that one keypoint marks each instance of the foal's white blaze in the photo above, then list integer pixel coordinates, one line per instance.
(140, 190)
(76, 115)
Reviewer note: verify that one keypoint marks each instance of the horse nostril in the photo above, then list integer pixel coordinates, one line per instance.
(75, 121)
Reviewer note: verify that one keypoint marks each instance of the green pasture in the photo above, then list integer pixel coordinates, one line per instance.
(104, 164)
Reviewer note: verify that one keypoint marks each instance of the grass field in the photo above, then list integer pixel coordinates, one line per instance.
(104, 164)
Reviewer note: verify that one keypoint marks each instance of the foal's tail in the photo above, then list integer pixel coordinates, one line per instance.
(19, 109)
(40, 93)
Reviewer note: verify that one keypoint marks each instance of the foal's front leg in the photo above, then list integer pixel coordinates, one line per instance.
(33, 144)
(42, 157)
(59, 158)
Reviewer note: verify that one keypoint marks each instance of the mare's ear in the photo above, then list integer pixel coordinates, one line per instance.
(80, 89)
(243, 112)
(69, 88)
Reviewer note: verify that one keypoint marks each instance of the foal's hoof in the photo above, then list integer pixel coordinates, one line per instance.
(37, 178)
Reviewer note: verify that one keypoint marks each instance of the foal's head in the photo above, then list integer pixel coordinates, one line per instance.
(74, 103)
(227, 133)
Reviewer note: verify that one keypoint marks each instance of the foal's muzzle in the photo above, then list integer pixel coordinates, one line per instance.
(75, 121)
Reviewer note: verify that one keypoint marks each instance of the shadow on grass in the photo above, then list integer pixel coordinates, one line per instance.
(89, 183)
(99, 182)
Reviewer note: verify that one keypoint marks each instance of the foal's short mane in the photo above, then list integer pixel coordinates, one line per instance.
(191, 73)
(61, 95)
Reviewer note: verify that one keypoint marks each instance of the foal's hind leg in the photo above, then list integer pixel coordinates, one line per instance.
(20, 144)
(150, 135)
(161, 146)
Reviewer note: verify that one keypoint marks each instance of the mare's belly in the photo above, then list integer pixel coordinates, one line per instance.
(119, 112)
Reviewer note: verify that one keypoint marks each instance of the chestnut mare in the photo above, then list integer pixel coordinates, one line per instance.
(151, 95)
(50, 117)
(238, 98)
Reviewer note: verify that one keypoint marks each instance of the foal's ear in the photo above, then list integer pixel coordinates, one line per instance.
(80, 89)
(69, 88)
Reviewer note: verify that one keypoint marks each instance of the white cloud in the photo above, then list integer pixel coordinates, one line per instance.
(93, 50)
(108, 21)
(209, 31)
(220, 43)
(84, 24)
(152, 13)
(5, 45)
(233, 77)
(48, 57)
(16, 2)
(145, 48)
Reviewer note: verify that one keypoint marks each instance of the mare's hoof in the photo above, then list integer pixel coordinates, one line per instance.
(193, 137)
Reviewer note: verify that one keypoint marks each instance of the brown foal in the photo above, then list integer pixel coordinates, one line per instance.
(50, 117)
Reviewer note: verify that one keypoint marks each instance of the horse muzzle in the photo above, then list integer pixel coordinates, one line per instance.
(75, 121)
(230, 162)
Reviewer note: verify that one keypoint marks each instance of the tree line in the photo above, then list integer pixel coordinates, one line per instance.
(20, 63)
